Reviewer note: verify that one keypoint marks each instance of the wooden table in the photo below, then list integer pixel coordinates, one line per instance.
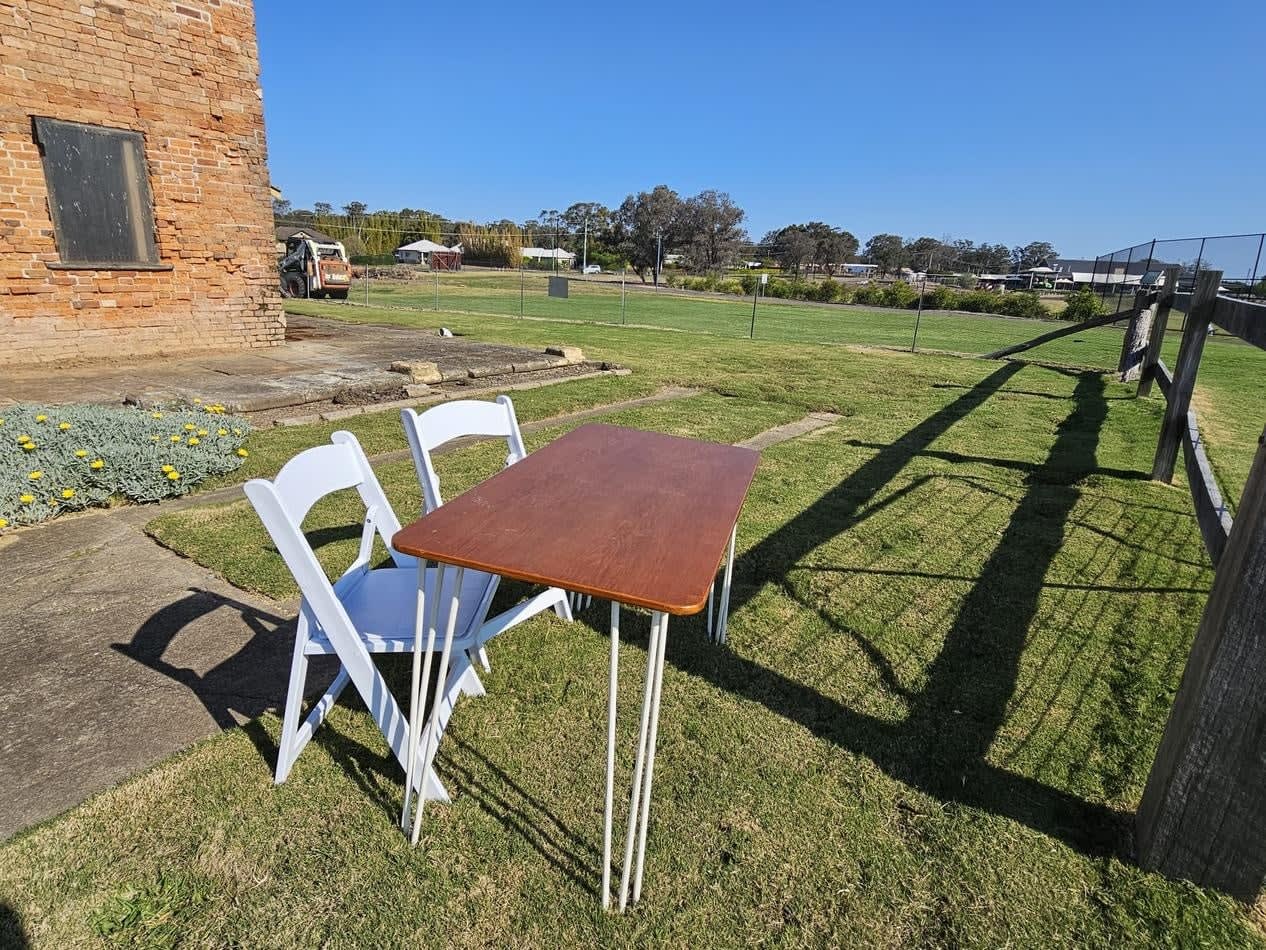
(633, 517)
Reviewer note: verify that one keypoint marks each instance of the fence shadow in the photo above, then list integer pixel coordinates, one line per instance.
(941, 746)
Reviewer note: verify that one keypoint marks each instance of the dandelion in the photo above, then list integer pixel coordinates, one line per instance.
(36, 475)
(68, 493)
(97, 464)
(167, 469)
(222, 432)
(23, 438)
(193, 440)
(3, 521)
(175, 438)
(81, 453)
(41, 418)
(28, 446)
(63, 426)
(202, 433)
(174, 475)
(189, 427)
(156, 415)
(26, 499)
(242, 453)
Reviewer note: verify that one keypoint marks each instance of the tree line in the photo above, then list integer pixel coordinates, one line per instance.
(705, 230)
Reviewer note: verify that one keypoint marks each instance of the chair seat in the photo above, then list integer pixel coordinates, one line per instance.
(382, 606)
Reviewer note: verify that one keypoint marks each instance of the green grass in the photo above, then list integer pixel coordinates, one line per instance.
(959, 619)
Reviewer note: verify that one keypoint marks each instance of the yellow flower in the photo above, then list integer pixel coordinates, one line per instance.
(63, 426)
(3, 522)
(197, 402)
(1, 422)
(193, 440)
(81, 453)
(97, 463)
(243, 453)
(173, 475)
(41, 418)
(168, 468)
(156, 415)
(223, 432)
(202, 432)
(68, 493)
(237, 431)
(175, 438)
(26, 499)
(36, 475)
(189, 427)
(153, 438)
(28, 446)
(23, 438)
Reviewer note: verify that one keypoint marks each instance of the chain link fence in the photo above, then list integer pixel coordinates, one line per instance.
(1119, 274)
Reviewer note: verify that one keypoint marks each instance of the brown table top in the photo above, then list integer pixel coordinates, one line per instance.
(636, 517)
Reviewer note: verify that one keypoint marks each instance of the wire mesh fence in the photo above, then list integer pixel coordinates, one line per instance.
(1117, 275)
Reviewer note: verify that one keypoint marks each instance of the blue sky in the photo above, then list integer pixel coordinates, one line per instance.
(997, 122)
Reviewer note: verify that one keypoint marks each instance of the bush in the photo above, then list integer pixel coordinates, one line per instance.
(899, 294)
(730, 286)
(749, 283)
(978, 301)
(940, 297)
(1021, 303)
(65, 458)
(966, 281)
(827, 291)
(1082, 305)
(869, 295)
(779, 287)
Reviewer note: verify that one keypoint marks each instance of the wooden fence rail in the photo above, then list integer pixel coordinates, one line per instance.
(1203, 813)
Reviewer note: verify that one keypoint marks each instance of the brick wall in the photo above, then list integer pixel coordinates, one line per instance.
(186, 75)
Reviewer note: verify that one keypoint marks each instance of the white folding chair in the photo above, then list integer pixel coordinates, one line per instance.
(366, 611)
(463, 418)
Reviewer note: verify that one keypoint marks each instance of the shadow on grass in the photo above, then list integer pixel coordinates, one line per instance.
(941, 746)
(12, 933)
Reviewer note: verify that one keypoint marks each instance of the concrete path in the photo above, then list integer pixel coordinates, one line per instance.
(115, 652)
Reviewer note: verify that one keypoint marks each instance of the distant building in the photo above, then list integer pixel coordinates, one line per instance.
(858, 270)
(567, 258)
(419, 252)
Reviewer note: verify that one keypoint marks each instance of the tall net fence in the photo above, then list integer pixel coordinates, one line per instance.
(1239, 257)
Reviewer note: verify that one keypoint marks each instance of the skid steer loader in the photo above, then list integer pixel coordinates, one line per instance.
(312, 269)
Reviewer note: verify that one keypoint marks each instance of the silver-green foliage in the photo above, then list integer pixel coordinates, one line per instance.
(64, 458)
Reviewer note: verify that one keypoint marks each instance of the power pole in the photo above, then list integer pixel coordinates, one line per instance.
(659, 253)
(584, 259)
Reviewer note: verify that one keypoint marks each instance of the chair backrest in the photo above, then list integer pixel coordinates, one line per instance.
(428, 430)
(285, 501)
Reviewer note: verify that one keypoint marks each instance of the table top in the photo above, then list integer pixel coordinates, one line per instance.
(636, 517)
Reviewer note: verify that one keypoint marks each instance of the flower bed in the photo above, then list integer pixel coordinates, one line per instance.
(64, 458)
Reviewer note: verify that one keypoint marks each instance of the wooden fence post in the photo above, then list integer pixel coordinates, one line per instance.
(1193, 336)
(1156, 336)
(1137, 333)
(1203, 814)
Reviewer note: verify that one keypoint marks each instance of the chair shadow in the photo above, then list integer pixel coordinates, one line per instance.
(12, 934)
(247, 683)
(941, 746)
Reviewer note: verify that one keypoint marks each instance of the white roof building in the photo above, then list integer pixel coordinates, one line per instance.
(543, 253)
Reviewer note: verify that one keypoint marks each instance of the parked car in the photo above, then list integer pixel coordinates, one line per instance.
(592, 269)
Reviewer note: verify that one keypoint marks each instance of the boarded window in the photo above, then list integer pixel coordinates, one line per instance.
(98, 191)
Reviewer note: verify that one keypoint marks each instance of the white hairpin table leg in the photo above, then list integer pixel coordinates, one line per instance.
(723, 620)
(612, 685)
(639, 767)
(650, 753)
(417, 699)
(432, 736)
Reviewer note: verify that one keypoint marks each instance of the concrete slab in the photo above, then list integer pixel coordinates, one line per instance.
(318, 358)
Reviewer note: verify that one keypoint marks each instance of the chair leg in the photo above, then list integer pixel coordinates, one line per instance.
(563, 607)
(470, 683)
(483, 660)
(286, 750)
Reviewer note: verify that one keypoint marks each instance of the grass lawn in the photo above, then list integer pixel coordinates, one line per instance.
(959, 619)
